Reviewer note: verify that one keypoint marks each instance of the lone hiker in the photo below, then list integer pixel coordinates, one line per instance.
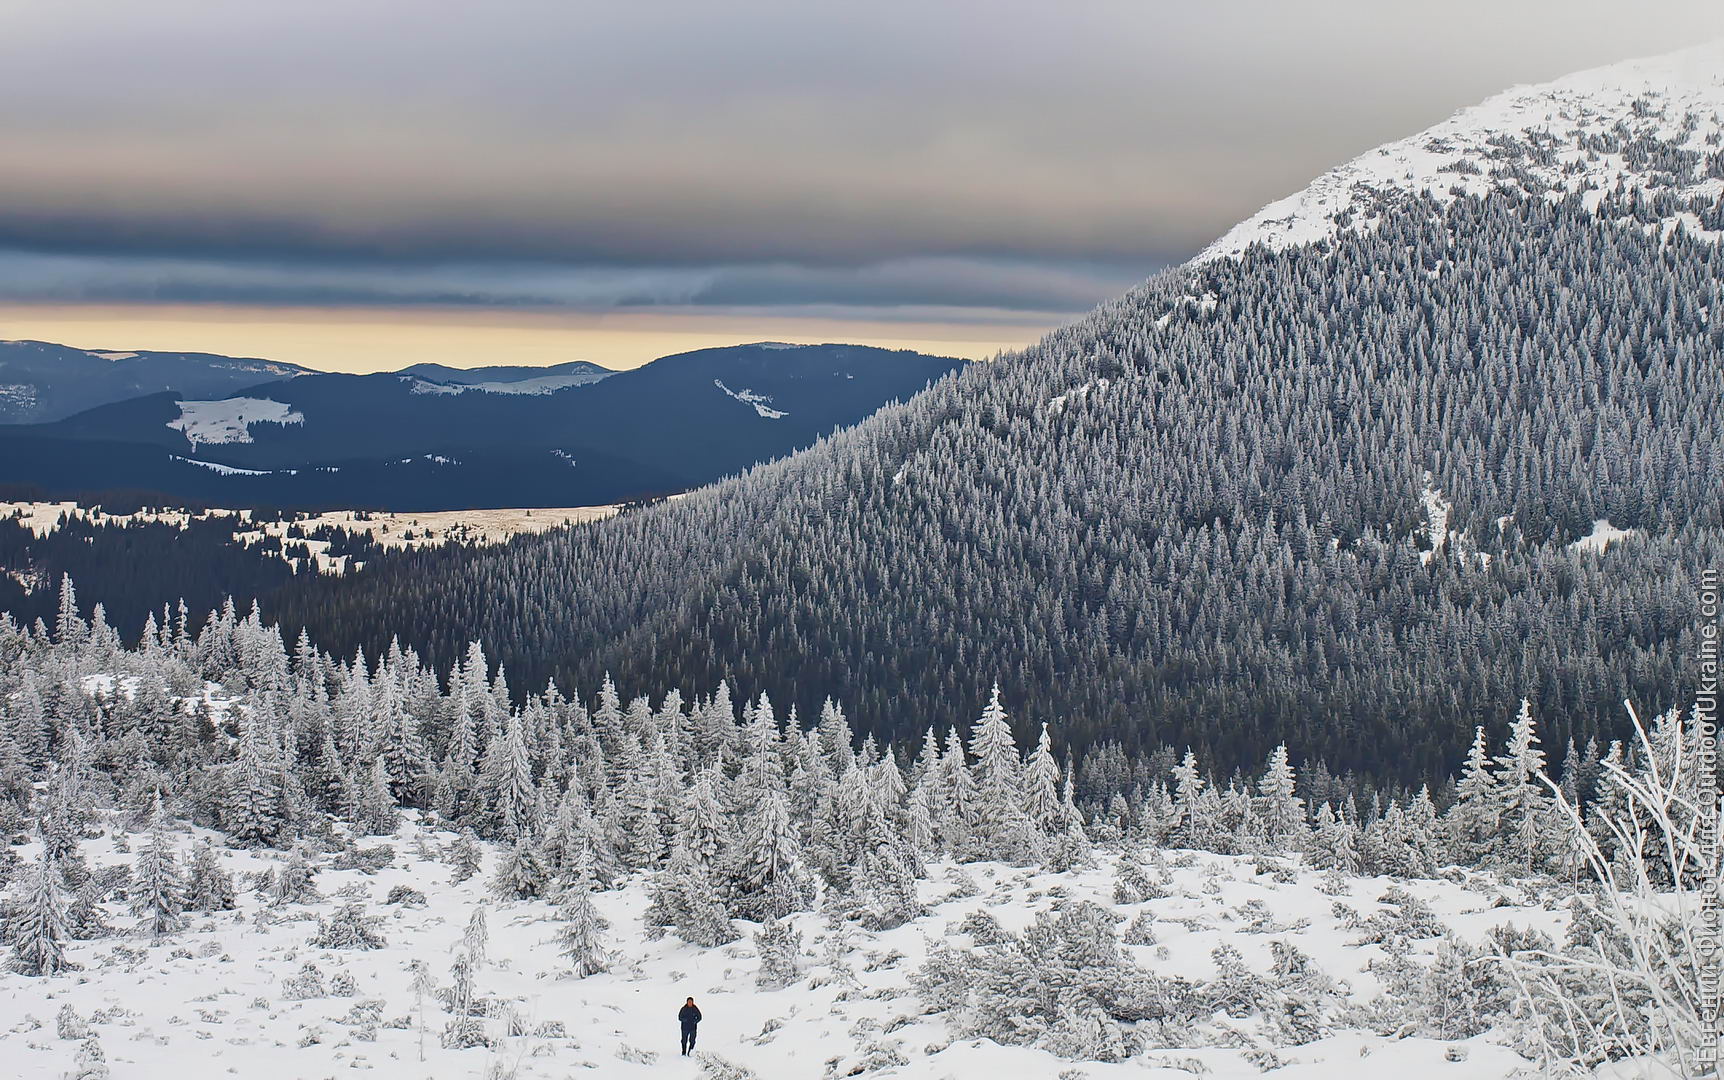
(689, 1015)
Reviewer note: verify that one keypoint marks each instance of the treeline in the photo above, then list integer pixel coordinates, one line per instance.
(136, 567)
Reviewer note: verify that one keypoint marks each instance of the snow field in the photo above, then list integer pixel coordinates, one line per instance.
(211, 1001)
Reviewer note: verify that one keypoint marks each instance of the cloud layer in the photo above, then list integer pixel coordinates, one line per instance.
(969, 154)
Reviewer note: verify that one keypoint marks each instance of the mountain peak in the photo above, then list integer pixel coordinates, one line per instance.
(1656, 124)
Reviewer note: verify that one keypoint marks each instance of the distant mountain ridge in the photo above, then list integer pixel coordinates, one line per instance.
(430, 437)
(42, 382)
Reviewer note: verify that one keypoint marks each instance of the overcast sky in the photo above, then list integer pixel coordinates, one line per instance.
(363, 184)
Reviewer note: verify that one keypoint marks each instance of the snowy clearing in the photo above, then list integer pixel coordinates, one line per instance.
(229, 420)
(1603, 535)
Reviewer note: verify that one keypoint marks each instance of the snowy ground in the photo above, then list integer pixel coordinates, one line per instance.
(209, 1001)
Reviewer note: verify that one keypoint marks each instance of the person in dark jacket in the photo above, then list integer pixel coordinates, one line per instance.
(690, 1019)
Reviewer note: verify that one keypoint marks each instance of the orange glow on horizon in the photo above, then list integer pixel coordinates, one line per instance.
(368, 340)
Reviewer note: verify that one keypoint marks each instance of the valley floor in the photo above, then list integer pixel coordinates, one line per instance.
(217, 998)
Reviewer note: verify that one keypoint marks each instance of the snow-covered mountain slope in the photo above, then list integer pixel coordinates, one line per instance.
(1654, 124)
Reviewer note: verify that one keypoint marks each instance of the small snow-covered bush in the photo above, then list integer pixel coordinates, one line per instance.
(1412, 919)
(307, 984)
(1461, 993)
(876, 1056)
(406, 896)
(1064, 984)
(963, 883)
(91, 1063)
(294, 883)
(348, 928)
(1131, 883)
(713, 1067)
(983, 928)
(366, 860)
(1141, 930)
(69, 1025)
(1235, 990)
(463, 856)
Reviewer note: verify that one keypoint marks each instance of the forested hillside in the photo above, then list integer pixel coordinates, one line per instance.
(1329, 494)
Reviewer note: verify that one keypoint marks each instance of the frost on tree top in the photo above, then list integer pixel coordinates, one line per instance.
(1655, 124)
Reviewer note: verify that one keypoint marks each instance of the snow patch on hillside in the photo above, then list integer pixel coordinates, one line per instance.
(545, 384)
(425, 386)
(1436, 518)
(1651, 124)
(229, 420)
(1603, 535)
(1057, 403)
(232, 470)
(749, 397)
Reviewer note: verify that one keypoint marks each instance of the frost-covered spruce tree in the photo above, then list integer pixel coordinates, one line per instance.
(157, 893)
(1197, 824)
(401, 748)
(919, 819)
(1074, 837)
(1528, 832)
(958, 795)
(581, 939)
(1471, 823)
(687, 902)
(1283, 811)
(1000, 828)
(39, 924)
(887, 887)
(637, 806)
(779, 946)
(506, 783)
(522, 874)
(463, 856)
(422, 987)
(476, 938)
(766, 853)
(668, 908)
(254, 813)
(373, 810)
(295, 882)
(1042, 786)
